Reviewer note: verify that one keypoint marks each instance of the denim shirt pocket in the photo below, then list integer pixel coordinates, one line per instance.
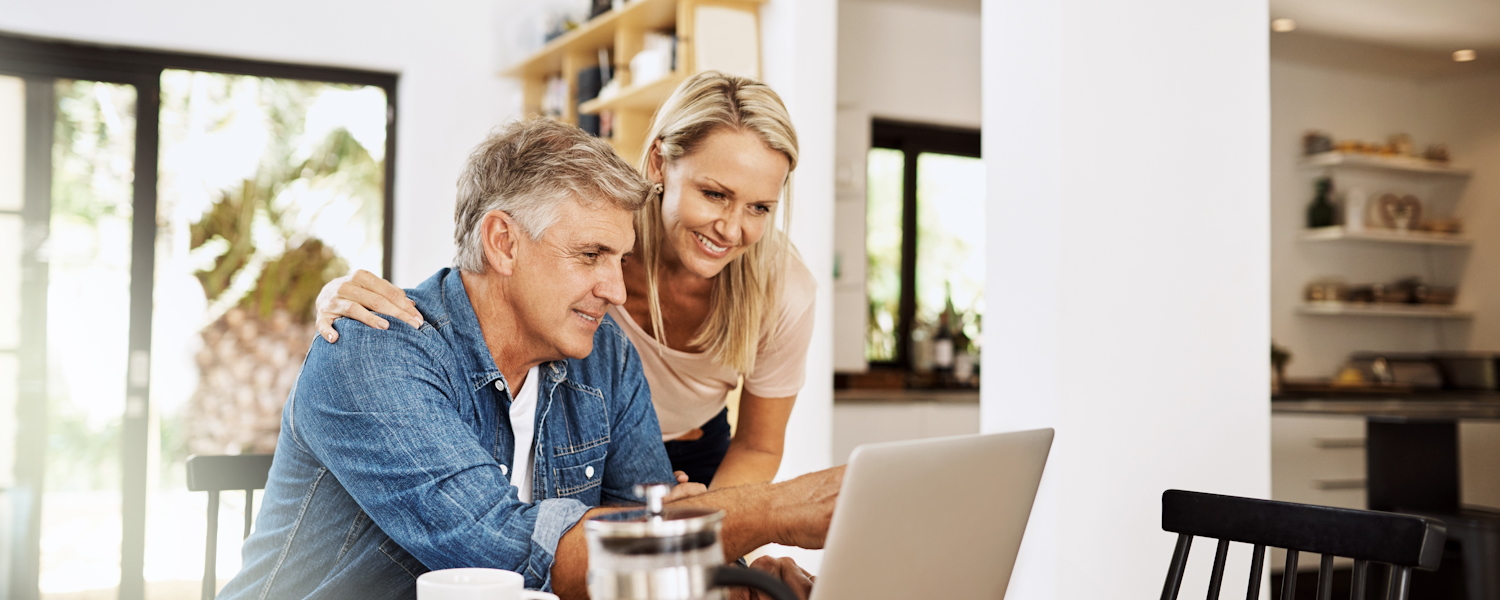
(578, 474)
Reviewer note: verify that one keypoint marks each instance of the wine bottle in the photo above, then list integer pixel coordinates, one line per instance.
(1320, 212)
(942, 339)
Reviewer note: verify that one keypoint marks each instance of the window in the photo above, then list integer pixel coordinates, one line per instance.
(924, 238)
(165, 221)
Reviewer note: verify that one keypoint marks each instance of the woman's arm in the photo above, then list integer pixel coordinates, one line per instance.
(358, 294)
(755, 452)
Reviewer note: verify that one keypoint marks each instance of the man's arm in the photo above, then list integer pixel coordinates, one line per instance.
(794, 513)
(378, 410)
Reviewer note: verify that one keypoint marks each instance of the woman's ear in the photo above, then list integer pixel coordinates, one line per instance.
(654, 163)
(500, 235)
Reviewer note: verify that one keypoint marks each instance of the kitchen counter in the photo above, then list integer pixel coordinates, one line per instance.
(1398, 405)
(905, 396)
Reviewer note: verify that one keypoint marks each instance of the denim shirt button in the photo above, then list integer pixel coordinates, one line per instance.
(588, 471)
(504, 470)
(500, 385)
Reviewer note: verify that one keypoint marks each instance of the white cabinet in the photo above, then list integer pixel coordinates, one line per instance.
(889, 420)
(1317, 460)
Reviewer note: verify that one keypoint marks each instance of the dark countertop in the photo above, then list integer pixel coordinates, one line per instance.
(1396, 405)
(905, 396)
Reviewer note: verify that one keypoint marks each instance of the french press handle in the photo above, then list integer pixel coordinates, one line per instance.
(726, 576)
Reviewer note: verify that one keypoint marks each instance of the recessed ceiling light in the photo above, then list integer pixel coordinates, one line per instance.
(1464, 55)
(1283, 25)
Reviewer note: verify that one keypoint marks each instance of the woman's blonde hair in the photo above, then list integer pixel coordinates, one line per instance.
(749, 287)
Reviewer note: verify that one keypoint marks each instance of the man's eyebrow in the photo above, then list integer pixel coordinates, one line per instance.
(599, 248)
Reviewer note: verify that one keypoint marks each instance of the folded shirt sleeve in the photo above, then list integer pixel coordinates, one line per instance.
(378, 410)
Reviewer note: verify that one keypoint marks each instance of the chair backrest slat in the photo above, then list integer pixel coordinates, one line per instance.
(211, 550)
(1257, 563)
(214, 474)
(1179, 563)
(249, 512)
(1357, 580)
(1216, 580)
(1325, 578)
(1289, 575)
(1400, 583)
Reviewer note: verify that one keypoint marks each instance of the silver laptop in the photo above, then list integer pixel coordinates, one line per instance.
(932, 518)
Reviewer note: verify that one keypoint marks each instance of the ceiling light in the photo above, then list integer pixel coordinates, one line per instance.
(1464, 56)
(1283, 25)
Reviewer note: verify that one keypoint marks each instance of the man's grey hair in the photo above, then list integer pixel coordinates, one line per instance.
(527, 170)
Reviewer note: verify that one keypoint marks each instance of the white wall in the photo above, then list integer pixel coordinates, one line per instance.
(1362, 105)
(448, 96)
(798, 55)
(1128, 274)
(897, 61)
(1473, 134)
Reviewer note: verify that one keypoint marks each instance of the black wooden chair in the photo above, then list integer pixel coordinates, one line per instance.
(214, 474)
(1401, 542)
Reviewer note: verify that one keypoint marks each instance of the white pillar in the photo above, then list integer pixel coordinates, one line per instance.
(1128, 273)
(798, 51)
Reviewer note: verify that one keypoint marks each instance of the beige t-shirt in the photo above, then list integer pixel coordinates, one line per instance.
(689, 388)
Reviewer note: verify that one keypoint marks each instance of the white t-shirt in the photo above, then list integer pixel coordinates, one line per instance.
(523, 427)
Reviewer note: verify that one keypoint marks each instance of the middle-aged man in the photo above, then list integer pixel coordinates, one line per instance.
(484, 437)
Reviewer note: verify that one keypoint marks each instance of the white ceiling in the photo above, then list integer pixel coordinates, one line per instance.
(1437, 25)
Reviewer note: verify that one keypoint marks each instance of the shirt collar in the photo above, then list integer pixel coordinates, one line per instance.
(468, 339)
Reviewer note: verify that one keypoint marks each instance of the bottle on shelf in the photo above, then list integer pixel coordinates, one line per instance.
(943, 346)
(1320, 212)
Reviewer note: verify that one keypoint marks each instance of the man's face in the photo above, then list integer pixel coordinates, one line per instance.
(563, 282)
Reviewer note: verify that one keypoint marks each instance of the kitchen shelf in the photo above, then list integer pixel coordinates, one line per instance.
(598, 32)
(646, 96)
(622, 34)
(1338, 233)
(1347, 309)
(1398, 164)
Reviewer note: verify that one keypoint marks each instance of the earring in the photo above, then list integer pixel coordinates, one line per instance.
(656, 189)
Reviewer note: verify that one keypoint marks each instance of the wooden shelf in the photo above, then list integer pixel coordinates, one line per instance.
(624, 33)
(1347, 309)
(1398, 164)
(598, 32)
(1337, 233)
(644, 97)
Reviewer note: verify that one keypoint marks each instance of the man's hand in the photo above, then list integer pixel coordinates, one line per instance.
(805, 507)
(782, 568)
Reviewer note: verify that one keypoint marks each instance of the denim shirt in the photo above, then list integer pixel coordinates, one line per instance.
(395, 451)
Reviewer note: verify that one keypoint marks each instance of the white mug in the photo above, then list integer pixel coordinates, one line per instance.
(475, 584)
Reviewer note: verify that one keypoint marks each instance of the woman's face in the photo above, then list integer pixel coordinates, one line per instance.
(717, 201)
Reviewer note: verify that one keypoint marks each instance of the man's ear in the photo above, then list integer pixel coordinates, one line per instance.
(499, 237)
(654, 163)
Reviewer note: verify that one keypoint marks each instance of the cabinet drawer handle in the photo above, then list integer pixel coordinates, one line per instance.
(1339, 484)
(1339, 442)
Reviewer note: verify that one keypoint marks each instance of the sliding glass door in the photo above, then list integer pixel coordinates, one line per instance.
(67, 184)
(141, 323)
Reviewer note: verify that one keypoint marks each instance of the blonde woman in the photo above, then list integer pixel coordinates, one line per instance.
(716, 291)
